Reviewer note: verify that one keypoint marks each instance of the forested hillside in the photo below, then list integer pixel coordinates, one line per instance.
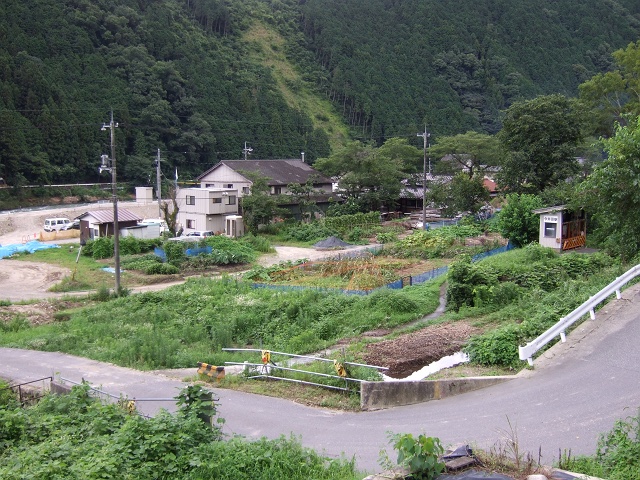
(198, 78)
(178, 75)
(394, 65)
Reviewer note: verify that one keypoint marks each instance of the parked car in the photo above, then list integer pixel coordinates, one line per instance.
(56, 224)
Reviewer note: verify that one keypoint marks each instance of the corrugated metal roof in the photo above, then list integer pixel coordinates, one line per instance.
(279, 172)
(106, 216)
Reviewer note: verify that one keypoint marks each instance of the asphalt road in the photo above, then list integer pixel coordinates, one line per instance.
(576, 391)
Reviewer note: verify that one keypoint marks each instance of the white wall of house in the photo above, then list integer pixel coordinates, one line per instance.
(205, 208)
(225, 177)
(551, 229)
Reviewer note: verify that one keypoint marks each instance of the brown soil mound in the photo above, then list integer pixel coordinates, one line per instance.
(410, 352)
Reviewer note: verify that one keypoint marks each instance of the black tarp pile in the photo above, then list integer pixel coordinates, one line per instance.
(331, 243)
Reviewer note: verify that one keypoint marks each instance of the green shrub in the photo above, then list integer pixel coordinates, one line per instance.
(308, 232)
(496, 347)
(161, 269)
(465, 280)
(617, 456)
(8, 400)
(386, 237)
(99, 248)
(257, 243)
(175, 252)
(420, 455)
(103, 294)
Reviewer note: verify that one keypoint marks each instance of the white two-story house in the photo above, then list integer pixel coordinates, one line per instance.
(206, 209)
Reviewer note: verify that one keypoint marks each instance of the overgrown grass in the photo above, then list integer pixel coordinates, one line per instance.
(617, 456)
(75, 436)
(300, 393)
(518, 295)
(189, 323)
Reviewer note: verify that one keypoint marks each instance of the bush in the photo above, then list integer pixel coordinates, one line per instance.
(497, 347)
(99, 248)
(420, 455)
(257, 243)
(516, 220)
(8, 398)
(175, 252)
(308, 232)
(617, 456)
(161, 269)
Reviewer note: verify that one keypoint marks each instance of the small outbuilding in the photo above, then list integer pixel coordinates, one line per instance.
(561, 228)
(99, 223)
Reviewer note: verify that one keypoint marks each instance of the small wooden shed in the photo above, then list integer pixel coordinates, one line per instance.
(99, 223)
(561, 228)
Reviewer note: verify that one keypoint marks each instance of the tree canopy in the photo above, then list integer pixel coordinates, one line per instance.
(539, 137)
(371, 177)
(615, 93)
(471, 152)
(612, 192)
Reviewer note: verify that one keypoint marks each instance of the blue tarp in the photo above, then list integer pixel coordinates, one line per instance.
(33, 246)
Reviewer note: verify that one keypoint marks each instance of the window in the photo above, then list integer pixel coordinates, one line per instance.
(550, 229)
(191, 224)
(191, 200)
(231, 200)
(277, 190)
(216, 200)
(246, 190)
(209, 185)
(229, 185)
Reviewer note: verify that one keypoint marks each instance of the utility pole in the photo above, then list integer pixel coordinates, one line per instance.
(425, 136)
(114, 191)
(246, 150)
(158, 192)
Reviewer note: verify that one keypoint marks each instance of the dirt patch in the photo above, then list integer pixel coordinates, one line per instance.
(28, 280)
(35, 314)
(410, 352)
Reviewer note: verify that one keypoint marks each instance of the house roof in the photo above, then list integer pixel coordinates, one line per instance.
(490, 185)
(557, 208)
(279, 172)
(106, 216)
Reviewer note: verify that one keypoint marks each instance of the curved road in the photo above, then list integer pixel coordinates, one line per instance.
(576, 391)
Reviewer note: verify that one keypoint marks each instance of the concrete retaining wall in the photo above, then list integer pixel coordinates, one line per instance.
(379, 395)
(60, 388)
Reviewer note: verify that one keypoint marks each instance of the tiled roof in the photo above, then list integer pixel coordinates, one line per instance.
(106, 216)
(279, 172)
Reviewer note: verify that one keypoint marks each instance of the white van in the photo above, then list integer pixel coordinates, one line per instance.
(57, 224)
(155, 221)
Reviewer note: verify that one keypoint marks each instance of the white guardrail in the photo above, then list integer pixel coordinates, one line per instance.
(526, 352)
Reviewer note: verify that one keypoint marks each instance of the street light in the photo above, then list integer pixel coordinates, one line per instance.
(425, 136)
(109, 164)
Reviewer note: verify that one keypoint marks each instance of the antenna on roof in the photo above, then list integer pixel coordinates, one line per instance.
(246, 150)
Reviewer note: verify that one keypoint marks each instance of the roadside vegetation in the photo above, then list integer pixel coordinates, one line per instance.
(189, 444)
(43, 441)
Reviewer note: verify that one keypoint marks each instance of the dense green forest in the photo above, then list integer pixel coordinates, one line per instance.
(198, 78)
